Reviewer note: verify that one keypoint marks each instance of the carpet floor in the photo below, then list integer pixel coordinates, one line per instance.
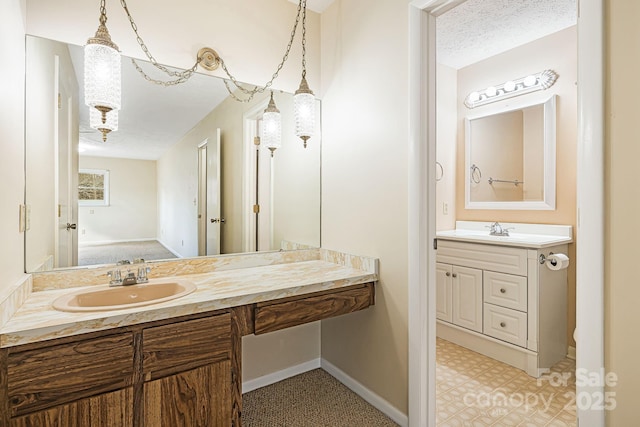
(110, 253)
(311, 399)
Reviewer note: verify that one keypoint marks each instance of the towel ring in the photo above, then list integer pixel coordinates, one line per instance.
(441, 172)
(476, 174)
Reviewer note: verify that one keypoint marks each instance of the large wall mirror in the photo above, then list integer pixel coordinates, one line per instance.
(511, 158)
(181, 177)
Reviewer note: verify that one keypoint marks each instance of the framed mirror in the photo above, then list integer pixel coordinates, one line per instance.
(181, 177)
(510, 158)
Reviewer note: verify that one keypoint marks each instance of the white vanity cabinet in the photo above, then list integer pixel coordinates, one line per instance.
(499, 300)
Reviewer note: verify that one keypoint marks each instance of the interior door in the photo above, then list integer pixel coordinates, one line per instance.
(214, 220)
(67, 172)
(264, 227)
(202, 198)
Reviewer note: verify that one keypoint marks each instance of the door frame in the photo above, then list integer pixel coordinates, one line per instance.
(422, 207)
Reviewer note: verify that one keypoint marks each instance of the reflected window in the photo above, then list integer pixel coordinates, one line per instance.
(93, 187)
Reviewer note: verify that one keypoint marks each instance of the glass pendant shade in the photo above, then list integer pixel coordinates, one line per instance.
(272, 127)
(110, 124)
(102, 77)
(304, 109)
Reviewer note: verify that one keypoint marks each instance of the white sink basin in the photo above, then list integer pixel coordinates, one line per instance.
(103, 298)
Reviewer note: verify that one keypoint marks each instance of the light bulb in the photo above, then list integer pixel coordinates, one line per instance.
(272, 127)
(304, 111)
(509, 86)
(474, 97)
(491, 91)
(530, 81)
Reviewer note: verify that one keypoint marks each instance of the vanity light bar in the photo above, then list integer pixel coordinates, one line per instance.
(534, 82)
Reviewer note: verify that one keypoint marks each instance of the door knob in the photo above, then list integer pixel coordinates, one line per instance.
(71, 226)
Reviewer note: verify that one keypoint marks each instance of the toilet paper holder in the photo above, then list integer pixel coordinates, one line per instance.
(542, 259)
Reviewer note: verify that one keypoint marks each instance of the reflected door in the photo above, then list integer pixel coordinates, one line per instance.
(214, 220)
(67, 171)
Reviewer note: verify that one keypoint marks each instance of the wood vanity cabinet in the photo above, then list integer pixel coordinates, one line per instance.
(155, 374)
(184, 371)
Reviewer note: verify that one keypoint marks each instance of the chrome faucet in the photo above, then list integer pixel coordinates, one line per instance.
(496, 229)
(115, 277)
(130, 278)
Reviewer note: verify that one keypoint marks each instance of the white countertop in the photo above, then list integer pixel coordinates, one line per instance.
(37, 320)
(533, 236)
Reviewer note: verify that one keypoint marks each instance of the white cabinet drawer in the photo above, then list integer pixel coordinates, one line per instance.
(505, 324)
(486, 257)
(505, 290)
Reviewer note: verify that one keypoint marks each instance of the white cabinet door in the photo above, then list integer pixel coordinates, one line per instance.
(443, 292)
(467, 297)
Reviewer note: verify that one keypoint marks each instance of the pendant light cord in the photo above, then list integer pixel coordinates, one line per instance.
(183, 76)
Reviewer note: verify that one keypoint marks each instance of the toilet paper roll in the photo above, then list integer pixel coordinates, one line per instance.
(557, 261)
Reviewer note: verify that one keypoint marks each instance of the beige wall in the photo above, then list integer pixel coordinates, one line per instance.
(11, 141)
(447, 131)
(244, 32)
(556, 52)
(132, 210)
(622, 228)
(364, 183)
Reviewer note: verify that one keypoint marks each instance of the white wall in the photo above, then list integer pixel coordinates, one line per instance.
(364, 183)
(11, 141)
(132, 211)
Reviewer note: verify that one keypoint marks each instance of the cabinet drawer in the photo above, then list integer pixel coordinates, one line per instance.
(43, 378)
(271, 317)
(505, 324)
(178, 347)
(505, 290)
(485, 257)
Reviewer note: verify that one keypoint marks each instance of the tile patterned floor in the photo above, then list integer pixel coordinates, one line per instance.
(475, 390)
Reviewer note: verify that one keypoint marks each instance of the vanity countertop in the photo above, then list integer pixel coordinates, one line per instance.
(532, 236)
(36, 319)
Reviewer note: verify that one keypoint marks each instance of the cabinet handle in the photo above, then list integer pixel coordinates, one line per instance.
(448, 274)
(503, 324)
(455, 275)
(503, 290)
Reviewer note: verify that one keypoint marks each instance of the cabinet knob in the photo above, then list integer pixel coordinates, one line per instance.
(455, 275)
(503, 290)
(448, 274)
(503, 324)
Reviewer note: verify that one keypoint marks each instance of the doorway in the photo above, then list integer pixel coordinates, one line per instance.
(210, 221)
(422, 206)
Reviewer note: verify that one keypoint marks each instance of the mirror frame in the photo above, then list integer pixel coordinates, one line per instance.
(549, 198)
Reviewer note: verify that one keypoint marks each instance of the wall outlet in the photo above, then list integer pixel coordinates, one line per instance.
(182, 242)
(83, 231)
(91, 212)
(445, 208)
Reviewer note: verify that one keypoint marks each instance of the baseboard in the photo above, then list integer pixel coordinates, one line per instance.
(571, 353)
(373, 399)
(169, 249)
(274, 377)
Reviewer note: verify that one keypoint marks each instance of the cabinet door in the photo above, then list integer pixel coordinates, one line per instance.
(443, 292)
(199, 397)
(467, 297)
(113, 409)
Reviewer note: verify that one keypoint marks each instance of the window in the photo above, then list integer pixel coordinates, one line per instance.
(93, 187)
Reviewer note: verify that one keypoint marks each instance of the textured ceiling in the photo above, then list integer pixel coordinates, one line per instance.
(479, 29)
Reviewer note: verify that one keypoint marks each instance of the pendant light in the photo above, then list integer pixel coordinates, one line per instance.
(272, 127)
(303, 99)
(110, 124)
(102, 77)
